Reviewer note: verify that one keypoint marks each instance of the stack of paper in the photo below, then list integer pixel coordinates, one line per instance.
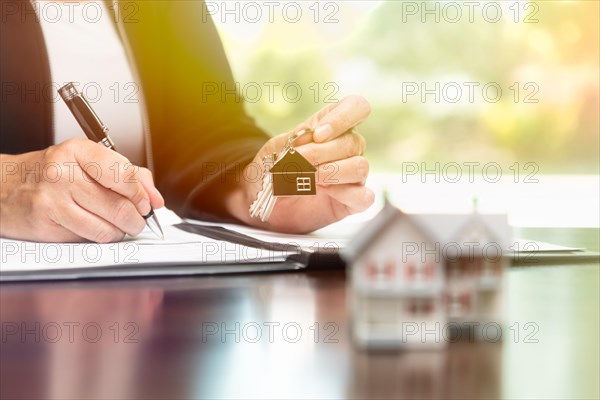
(143, 255)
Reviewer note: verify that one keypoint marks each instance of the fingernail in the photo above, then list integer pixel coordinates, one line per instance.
(144, 208)
(323, 133)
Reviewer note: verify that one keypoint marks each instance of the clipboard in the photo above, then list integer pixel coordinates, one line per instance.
(297, 258)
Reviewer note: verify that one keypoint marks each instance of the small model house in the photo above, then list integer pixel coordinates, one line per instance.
(293, 175)
(412, 276)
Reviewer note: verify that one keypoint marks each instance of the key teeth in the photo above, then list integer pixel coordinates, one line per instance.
(265, 201)
(269, 208)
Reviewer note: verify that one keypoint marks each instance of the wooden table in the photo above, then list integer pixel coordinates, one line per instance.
(286, 335)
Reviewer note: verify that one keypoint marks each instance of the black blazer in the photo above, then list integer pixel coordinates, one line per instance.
(200, 144)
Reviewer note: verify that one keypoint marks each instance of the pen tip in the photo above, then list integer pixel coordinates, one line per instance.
(155, 227)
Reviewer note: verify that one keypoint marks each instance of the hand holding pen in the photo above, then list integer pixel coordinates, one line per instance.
(72, 192)
(97, 132)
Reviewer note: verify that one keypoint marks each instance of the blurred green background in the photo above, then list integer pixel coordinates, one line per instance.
(509, 81)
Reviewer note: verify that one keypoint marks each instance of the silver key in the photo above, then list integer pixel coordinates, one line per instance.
(264, 203)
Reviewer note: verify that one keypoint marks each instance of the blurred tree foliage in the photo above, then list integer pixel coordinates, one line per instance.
(552, 61)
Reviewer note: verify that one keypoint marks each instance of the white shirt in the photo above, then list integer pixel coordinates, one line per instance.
(84, 47)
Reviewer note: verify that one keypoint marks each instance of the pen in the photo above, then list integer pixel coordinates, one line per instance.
(96, 131)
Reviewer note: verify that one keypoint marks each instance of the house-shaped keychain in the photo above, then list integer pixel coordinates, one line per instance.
(293, 175)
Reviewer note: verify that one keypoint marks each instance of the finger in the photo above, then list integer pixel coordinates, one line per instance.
(147, 181)
(348, 113)
(351, 170)
(113, 171)
(111, 207)
(343, 147)
(356, 198)
(89, 226)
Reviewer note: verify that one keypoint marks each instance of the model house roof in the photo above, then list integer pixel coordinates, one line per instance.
(371, 231)
(440, 228)
(447, 228)
(292, 162)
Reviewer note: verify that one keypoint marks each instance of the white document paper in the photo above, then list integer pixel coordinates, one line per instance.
(179, 247)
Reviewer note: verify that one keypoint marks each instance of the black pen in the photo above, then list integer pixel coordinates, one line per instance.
(96, 131)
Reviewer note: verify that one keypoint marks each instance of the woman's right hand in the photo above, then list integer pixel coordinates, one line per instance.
(74, 191)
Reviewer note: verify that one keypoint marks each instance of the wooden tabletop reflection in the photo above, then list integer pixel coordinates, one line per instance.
(284, 335)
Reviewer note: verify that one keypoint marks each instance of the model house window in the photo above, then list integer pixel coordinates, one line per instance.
(429, 271)
(380, 272)
(410, 270)
(303, 184)
(420, 306)
(465, 300)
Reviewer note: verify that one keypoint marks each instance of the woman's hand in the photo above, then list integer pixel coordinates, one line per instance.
(336, 150)
(77, 190)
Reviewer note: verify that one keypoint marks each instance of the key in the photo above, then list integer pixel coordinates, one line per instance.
(269, 207)
(264, 199)
(256, 205)
(268, 201)
(260, 201)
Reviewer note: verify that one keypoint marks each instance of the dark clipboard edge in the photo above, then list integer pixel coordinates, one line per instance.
(149, 270)
(323, 259)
